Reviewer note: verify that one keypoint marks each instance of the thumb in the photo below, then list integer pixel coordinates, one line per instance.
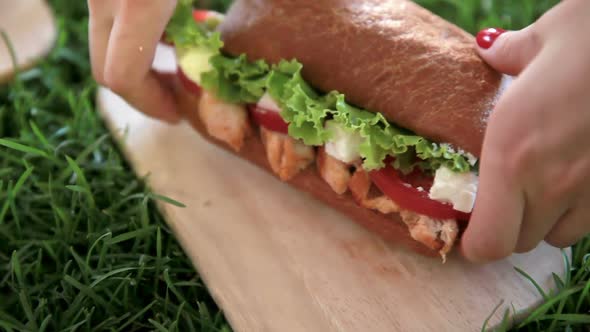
(508, 52)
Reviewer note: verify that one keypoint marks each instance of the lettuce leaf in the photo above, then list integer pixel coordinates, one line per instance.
(183, 31)
(238, 80)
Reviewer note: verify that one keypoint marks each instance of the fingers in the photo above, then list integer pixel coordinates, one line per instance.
(525, 181)
(136, 31)
(571, 228)
(551, 193)
(496, 222)
(511, 51)
(538, 220)
(493, 230)
(99, 29)
(533, 170)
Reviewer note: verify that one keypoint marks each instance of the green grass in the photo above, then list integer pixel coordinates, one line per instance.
(82, 246)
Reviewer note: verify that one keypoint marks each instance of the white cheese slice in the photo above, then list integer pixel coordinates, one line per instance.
(194, 62)
(215, 15)
(344, 144)
(269, 104)
(458, 189)
(471, 159)
(165, 59)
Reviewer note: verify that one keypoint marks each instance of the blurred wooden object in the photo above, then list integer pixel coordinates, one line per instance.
(31, 29)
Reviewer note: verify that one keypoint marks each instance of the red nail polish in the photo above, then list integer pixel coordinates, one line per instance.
(485, 38)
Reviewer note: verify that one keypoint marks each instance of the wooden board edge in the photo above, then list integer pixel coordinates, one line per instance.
(119, 137)
(34, 59)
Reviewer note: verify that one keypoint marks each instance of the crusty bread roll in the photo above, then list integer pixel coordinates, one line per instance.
(388, 56)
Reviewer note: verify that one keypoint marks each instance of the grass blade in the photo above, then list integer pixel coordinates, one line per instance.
(137, 316)
(12, 52)
(569, 318)
(13, 192)
(39, 134)
(16, 270)
(87, 291)
(534, 282)
(27, 309)
(559, 284)
(541, 310)
(9, 322)
(111, 274)
(583, 297)
(487, 320)
(81, 179)
(23, 148)
(166, 200)
(131, 235)
(45, 324)
(158, 326)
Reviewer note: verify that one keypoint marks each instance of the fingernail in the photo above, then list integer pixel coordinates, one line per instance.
(486, 37)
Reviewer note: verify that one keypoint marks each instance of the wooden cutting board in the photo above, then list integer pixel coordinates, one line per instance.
(276, 260)
(31, 29)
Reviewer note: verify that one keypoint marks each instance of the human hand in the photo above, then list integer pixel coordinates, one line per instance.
(535, 164)
(123, 39)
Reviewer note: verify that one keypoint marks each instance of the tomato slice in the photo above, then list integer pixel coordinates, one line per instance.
(268, 119)
(404, 191)
(417, 179)
(188, 84)
(200, 15)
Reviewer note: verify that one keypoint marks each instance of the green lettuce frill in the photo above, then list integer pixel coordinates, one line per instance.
(237, 80)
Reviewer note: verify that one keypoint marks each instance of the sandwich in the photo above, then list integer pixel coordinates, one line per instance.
(376, 108)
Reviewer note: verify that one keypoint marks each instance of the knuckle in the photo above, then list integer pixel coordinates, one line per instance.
(522, 156)
(525, 247)
(569, 230)
(558, 191)
(558, 240)
(532, 42)
(117, 81)
(551, 187)
(533, 38)
(98, 75)
(506, 48)
(563, 181)
(574, 176)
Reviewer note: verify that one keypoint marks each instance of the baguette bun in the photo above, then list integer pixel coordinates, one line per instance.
(388, 227)
(390, 56)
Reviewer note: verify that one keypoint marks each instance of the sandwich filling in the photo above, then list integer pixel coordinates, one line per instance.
(384, 167)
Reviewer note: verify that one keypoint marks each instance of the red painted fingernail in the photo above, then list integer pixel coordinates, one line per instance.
(485, 38)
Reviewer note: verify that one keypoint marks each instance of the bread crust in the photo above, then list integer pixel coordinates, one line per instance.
(388, 227)
(390, 56)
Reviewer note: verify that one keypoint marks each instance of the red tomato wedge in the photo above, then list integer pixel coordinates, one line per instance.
(200, 15)
(403, 190)
(188, 84)
(268, 119)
